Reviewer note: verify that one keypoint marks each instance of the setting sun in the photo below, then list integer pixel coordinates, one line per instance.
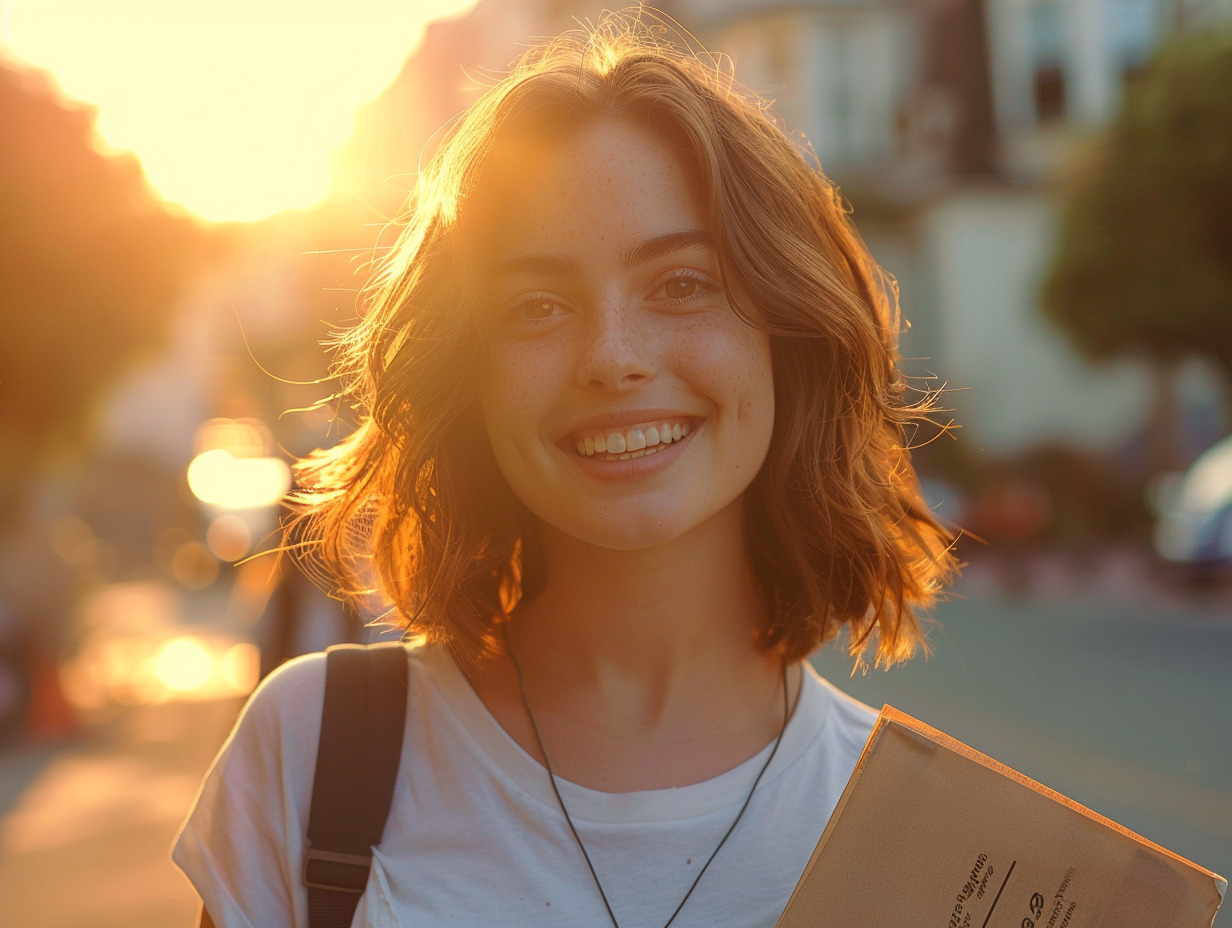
(233, 106)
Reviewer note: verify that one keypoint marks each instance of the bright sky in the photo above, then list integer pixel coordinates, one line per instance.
(233, 106)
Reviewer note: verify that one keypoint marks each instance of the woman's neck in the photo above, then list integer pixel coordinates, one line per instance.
(641, 667)
(651, 612)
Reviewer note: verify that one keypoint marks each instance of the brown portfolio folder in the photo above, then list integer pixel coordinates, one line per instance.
(931, 833)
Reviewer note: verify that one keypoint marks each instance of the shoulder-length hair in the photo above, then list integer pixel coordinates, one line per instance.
(413, 503)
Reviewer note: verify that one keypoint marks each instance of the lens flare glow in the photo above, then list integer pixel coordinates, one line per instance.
(233, 106)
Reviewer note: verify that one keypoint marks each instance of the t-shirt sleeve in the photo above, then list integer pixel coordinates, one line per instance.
(242, 844)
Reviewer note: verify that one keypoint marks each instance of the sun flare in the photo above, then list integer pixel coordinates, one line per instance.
(233, 106)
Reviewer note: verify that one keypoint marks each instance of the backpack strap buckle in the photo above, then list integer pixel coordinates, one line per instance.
(343, 873)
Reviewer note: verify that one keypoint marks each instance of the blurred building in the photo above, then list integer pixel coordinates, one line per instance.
(949, 124)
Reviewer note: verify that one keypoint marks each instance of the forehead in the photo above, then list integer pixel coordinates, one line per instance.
(609, 182)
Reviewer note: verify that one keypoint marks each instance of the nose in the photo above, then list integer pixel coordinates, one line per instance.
(617, 353)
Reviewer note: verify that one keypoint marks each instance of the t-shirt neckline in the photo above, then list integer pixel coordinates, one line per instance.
(674, 804)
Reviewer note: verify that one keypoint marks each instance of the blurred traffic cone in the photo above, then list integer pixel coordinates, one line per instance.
(50, 717)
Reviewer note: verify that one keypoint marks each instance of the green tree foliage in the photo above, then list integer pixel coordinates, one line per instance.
(90, 267)
(1144, 258)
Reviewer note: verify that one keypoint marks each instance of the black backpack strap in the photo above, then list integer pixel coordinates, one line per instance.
(357, 765)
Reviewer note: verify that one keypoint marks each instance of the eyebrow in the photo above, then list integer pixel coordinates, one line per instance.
(637, 254)
(665, 244)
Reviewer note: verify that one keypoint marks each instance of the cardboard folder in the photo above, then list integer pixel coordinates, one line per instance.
(930, 833)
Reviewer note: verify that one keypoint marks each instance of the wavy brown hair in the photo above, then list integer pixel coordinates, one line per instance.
(413, 504)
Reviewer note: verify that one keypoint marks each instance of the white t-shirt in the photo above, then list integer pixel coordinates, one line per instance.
(475, 836)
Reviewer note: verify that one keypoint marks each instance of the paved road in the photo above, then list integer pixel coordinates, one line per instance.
(87, 826)
(1109, 691)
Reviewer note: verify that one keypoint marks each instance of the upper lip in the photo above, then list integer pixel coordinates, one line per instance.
(626, 418)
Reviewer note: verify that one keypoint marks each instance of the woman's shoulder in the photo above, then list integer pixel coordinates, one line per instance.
(295, 691)
(289, 700)
(289, 689)
(845, 720)
(298, 676)
(281, 722)
(823, 743)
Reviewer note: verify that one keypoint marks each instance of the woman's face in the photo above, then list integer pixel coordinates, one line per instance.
(625, 402)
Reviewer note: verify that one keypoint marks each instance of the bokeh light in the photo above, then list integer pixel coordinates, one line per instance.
(229, 537)
(240, 667)
(140, 670)
(218, 478)
(183, 664)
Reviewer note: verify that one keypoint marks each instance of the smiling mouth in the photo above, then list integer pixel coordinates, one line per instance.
(634, 442)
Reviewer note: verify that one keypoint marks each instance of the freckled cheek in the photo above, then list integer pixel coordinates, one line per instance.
(732, 367)
(759, 398)
(516, 392)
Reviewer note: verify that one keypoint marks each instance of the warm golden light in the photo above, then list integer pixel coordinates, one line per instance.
(244, 438)
(229, 538)
(184, 664)
(233, 106)
(241, 667)
(217, 478)
(138, 670)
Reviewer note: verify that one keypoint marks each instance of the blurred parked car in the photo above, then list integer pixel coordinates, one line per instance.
(1194, 530)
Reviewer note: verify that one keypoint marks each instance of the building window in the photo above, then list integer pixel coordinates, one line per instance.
(1046, 24)
(1133, 28)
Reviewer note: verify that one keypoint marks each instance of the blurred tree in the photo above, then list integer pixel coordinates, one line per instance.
(1144, 256)
(90, 266)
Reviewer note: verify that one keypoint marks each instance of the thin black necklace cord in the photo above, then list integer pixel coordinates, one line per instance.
(569, 820)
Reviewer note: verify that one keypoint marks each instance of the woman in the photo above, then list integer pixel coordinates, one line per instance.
(632, 448)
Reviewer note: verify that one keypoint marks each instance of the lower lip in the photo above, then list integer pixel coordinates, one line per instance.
(635, 468)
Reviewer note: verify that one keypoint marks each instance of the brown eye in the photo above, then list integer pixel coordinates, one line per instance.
(680, 288)
(538, 309)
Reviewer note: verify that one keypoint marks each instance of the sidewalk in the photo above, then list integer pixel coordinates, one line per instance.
(86, 837)
(1109, 576)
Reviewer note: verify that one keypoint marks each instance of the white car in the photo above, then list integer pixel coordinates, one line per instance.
(1195, 515)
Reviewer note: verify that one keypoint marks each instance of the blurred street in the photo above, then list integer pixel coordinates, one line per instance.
(88, 824)
(1104, 686)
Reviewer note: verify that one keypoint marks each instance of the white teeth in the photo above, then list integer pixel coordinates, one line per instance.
(634, 443)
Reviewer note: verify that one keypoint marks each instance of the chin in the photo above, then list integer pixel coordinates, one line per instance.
(640, 529)
(626, 537)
